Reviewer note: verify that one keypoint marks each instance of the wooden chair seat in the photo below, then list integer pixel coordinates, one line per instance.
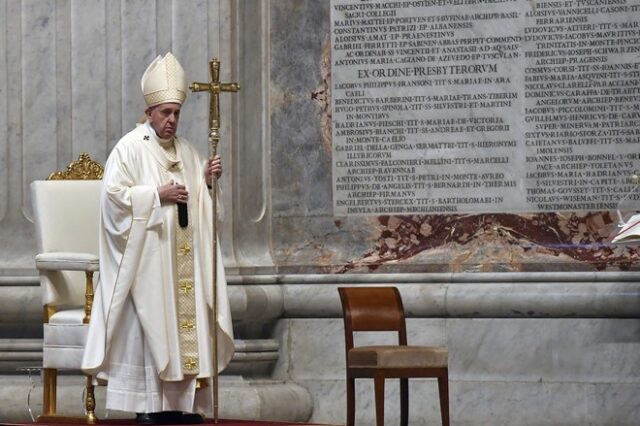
(398, 357)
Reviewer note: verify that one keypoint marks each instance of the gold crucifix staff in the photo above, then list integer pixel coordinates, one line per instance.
(214, 87)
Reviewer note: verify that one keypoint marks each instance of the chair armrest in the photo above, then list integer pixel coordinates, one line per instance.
(52, 265)
(67, 261)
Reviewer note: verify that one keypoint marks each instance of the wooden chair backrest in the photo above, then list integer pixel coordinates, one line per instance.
(372, 309)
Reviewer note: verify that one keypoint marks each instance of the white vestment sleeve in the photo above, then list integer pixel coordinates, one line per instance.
(127, 215)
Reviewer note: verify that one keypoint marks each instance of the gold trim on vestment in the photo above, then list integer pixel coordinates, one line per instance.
(184, 289)
(186, 299)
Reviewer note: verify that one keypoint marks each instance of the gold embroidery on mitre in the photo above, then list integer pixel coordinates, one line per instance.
(164, 96)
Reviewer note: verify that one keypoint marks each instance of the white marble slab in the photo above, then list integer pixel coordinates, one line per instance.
(64, 82)
(113, 78)
(4, 175)
(88, 78)
(38, 82)
(139, 48)
(502, 371)
(546, 350)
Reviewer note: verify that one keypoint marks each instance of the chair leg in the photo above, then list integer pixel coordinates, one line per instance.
(379, 396)
(49, 384)
(404, 402)
(443, 388)
(351, 401)
(90, 402)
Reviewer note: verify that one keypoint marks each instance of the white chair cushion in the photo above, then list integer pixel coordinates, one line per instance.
(64, 339)
(67, 317)
(67, 261)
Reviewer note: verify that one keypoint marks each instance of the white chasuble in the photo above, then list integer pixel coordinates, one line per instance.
(147, 301)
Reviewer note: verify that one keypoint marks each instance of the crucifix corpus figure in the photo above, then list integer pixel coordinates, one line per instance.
(156, 310)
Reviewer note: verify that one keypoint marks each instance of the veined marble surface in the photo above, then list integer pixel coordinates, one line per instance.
(525, 349)
(308, 237)
(71, 83)
(574, 356)
(560, 372)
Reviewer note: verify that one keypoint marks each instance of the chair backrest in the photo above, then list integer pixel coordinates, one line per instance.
(372, 309)
(66, 216)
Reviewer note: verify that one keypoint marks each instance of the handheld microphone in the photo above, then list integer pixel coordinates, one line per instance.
(183, 216)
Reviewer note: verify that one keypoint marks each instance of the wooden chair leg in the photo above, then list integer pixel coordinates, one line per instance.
(90, 402)
(49, 384)
(351, 401)
(443, 389)
(379, 397)
(404, 402)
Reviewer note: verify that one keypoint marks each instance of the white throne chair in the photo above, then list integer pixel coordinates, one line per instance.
(66, 216)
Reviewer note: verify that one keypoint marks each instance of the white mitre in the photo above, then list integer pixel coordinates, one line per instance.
(164, 81)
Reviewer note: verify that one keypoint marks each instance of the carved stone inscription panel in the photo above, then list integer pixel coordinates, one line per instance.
(491, 106)
(512, 83)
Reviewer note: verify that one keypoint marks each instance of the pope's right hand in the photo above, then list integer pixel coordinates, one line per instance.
(173, 193)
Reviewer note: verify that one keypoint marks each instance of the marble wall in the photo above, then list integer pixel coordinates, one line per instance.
(537, 336)
(70, 82)
(306, 234)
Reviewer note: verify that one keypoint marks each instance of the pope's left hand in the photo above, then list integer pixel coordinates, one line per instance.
(213, 167)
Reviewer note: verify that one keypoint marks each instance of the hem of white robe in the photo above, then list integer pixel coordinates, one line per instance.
(126, 393)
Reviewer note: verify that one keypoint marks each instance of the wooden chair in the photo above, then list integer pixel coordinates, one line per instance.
(66, 216)
(380, 309)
